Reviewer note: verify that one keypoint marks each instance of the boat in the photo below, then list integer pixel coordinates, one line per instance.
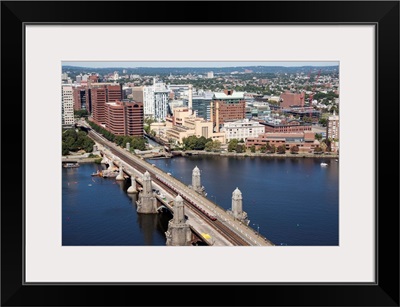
(71, 165)
(324, 164)
(109, 173)
(98, 173)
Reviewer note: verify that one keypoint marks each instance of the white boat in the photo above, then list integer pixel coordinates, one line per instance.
(324, 164)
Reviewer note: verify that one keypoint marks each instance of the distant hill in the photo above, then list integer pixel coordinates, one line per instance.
(201, 70)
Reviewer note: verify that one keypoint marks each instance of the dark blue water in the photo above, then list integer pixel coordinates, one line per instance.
(291, 201)
(98, 211)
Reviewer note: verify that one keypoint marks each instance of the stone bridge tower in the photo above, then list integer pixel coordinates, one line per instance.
(147, 202)
(178, 233)
(237, 207)
(196, 182)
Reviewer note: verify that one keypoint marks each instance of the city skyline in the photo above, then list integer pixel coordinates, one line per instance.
(194, 64)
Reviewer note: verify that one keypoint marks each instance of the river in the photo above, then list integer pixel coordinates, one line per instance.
(291, 201)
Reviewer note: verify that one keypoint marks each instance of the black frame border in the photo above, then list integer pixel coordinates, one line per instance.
(384, 14)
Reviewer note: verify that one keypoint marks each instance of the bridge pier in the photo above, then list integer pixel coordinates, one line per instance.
(237, 207)
(110, 164)
(132, 189)
(120, 175)
(196, 182)
(178, 233)
(147, 202)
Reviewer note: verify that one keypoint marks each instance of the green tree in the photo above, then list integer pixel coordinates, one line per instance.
(138, 143)
(240, 148)
(318, 149)
(271, 148)
(81, 113)
(281, 149)
(318, 136)
(216, 145)
(294, 149)
(253, 148)
(232, 145)
(209, 146)
(73, 140)
(323, 121)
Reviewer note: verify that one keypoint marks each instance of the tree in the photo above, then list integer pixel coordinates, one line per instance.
(217, 145)
(323, 121)
(294, 149)
(328, 144)
(232, 145)
(281, 149)
(195, 143)
(240, 148)
(73, 140)
(138, 143)
(253, 148)
(81, 113)
(209, 146)
(323, 146)
(318, 149)
(318, 136)
(213, 145)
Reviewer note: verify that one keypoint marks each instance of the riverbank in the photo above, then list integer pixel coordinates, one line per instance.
(83, 158)
(257, 154)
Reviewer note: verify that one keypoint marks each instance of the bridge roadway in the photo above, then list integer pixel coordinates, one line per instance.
(225, 231)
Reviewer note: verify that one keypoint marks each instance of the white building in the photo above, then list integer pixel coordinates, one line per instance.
(161, 96)
(67, 105)
(155, 99)
(148, 101)
(210, 75)
(242, 129)
(332, 131)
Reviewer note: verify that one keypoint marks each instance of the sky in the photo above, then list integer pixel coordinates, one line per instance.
(122, 64)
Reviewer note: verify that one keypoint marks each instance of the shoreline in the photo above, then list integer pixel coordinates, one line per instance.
(247, 154)
(189, 153)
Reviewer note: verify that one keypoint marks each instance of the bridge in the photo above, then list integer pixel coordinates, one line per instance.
(191, 210)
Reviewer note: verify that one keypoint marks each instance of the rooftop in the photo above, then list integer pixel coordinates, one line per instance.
(234, 95)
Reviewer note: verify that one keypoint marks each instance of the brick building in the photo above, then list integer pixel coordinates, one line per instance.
(100, 95)
(304, 140)
(124, 118)
(289, 99)
(227, 107)
(81, 98)
(292, 126)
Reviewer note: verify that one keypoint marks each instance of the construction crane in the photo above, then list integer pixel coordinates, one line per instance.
(310, 99)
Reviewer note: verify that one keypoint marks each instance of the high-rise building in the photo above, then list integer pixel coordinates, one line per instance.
(124, 118)
(81, 98)
(155, 99)
(332, 131)
(144, 94)
(201, 105)
(161, 97)
(100, 95)
(67, 105)
(226, 107)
